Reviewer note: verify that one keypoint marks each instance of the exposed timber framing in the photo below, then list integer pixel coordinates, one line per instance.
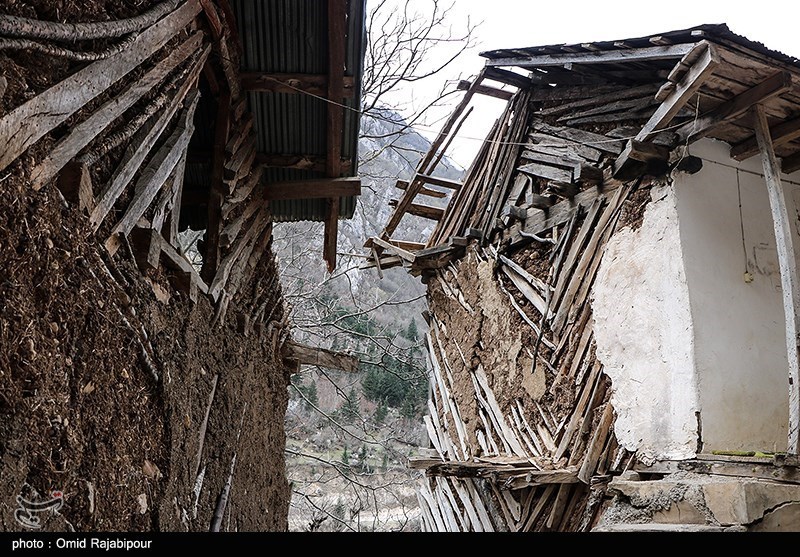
(28, 123)
(314, 189)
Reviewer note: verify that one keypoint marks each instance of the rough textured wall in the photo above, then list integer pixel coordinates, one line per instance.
(643, 328)
(81, 411)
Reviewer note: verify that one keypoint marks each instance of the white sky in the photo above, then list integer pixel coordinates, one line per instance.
(519, 23)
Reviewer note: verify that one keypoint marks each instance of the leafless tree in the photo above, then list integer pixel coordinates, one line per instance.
(371, 489)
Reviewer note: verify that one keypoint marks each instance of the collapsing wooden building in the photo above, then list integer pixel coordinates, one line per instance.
(146, 388)
(613, 292)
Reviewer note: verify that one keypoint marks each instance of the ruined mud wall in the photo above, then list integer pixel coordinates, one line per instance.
(129, 395)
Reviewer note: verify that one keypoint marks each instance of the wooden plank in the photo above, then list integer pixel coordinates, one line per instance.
(232, 229)
(438, 181)
(26, 124)
(424, 166)
(139, 147)
(736, 107)
(781, 133)
(314, 84)
(596, 445)
(315, 356)
(421, 210)
(85, 132)
(508, 77)
(214, 22)
(790, 282)
(547, 172)
(599, 57)
(622, 93)
(688, 86)
(243, 129)
(175, 213)
(395, 249)
(226, 265)
(243, 192)
(154, 175)
(603, 143)
(561, 148)
(320, 188)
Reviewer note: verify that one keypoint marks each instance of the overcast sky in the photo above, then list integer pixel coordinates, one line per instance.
(518, 23)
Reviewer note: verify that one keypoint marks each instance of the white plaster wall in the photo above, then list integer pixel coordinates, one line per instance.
(740, 345)
(643, 330)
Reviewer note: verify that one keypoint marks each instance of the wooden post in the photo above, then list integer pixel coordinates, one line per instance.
(333, 166)
(788, 267)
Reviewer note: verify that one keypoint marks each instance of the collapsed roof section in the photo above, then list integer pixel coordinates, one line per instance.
(619, 109)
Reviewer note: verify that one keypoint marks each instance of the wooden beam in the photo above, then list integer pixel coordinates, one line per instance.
(321, 357)
(292, 83)
(403, 184)
(25, 125)
(439, 181)
(600, 57)
(464, 84)
(421, 210)
(214, 23)
(140, 146)
(152, 178)
(85, 132)
(790, 282)
(782, 133)
(688, 86)
(772, 87)
(395, 249)
(791, 163)
(337, 32)
(314, 189)
(300, 162)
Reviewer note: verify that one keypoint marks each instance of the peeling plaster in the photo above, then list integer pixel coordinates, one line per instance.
(644, 334)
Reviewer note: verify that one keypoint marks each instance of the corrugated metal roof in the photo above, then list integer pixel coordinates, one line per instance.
(291, 36)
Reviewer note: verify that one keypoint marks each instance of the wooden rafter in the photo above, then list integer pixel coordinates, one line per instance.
(790, 282)
(684, 90)
(217, 193)
(780, 133)
(772, 87)
(315, 84)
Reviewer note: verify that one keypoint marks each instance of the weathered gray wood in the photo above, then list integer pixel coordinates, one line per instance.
(26, 124)
(736, 107)
(231, 230)
(781, 133)
(547, 172)
(226, 265)
(688, 86)
(599, 57)
(421, 210)
(322, 357)
(85, 132)
(139, 147)
(596, 445)
(243, 192)
(590, 139)
(154, 175)
(395, 249)
(790, 282)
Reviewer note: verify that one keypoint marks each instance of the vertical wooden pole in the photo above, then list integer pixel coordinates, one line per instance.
(788, 268)
(333, 166)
